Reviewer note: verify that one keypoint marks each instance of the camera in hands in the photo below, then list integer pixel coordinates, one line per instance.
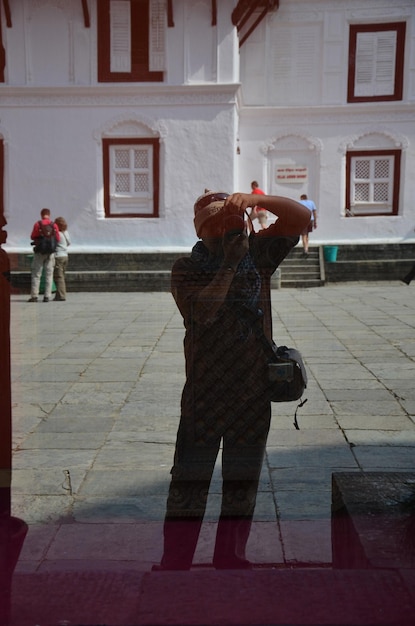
(233, 225)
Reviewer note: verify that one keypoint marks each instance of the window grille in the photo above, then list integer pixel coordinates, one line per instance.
(131, 171)
(373, 179)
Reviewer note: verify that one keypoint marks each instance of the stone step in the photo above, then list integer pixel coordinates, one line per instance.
(101, 280)
(143, 281)
(302, 283)
(300, 271)
(151, 271)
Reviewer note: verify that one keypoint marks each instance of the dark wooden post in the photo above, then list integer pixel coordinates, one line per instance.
(12, 530)
(5, 380)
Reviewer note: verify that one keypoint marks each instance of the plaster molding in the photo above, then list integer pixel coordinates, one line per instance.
(39, 4)
(114, 95)
(287, 15)
(300, 138)
(382, 13)
(392, 113)
(395, 140)
(353, 10)
(128, 123)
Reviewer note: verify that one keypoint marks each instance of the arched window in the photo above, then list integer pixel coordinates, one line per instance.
(131, 177)
(372, 182)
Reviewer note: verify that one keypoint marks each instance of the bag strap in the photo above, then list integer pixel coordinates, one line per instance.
(302, 403)
(257, 328)
(272, 350)
(250, 220)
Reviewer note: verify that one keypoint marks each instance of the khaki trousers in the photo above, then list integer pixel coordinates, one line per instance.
(61, 263)
(42, 262)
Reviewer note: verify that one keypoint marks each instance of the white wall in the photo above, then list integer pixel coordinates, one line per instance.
(54, 159)
(54, 114)
(294, 110)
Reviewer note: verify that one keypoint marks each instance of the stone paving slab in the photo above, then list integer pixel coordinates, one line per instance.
(385, 437)
(374, 423)
(386, 458)
(146, 331)
(96, 411)
(47, 481)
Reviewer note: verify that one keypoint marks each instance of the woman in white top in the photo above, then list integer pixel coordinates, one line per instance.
(61, 259)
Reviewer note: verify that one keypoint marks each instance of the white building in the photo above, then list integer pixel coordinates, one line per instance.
(116, 114)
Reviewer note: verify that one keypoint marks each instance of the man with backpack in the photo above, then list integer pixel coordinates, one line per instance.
(45, 235)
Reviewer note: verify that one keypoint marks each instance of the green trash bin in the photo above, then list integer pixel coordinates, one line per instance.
(330, 253)
(43, 279)
(42, 284)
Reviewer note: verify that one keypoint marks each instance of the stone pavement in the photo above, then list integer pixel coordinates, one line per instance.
(96, 393)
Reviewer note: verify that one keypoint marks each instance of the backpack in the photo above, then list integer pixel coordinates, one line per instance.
(46, 242)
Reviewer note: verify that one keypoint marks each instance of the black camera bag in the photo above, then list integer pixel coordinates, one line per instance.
(287, 375)
(290, 385)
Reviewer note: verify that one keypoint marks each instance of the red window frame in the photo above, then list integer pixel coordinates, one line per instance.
(139, 45)
(3, 222)
(2, 53)
(355, 29)
(155, 143)
(396, 154)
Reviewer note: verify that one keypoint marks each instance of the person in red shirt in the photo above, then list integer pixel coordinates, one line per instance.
(257, 212)
(42, 261)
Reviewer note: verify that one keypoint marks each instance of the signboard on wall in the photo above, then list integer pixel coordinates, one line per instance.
(291, 174)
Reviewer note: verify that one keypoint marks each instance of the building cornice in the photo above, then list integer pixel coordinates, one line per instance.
(114, 94)
(330, 114)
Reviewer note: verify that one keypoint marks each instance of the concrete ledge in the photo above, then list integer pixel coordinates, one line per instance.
(116, 271)
(108, 280)
(367, 269)
(213, 598)
(371, 262)
(105, 261)
(373, 520)
(149, 280)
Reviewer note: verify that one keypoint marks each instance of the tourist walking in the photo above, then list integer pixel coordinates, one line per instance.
(312, 224)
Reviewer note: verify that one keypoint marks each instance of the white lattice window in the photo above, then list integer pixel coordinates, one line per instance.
(373, 184)
(376, 57)
(131, 177)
